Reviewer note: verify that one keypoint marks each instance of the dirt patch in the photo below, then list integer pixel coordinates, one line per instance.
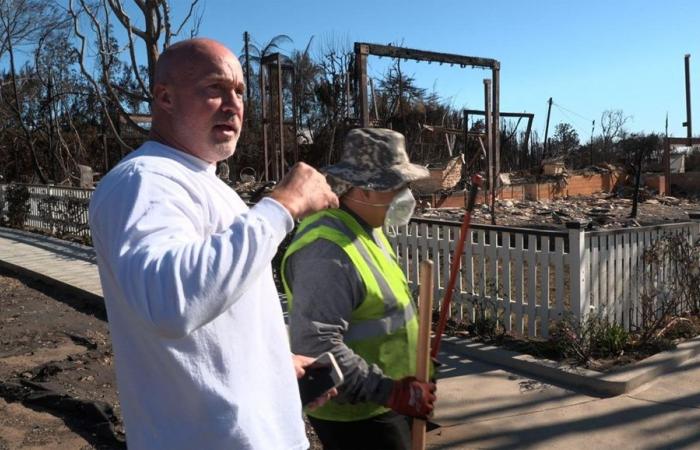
(56, 376)
(57, 383)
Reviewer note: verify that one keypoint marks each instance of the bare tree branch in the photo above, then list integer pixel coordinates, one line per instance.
(187, 18)
(157, 27)
(106, 76)
(26, 19)
(83, 69)
(194, 31)
(132, 55)
(116, 7)
(141, 4)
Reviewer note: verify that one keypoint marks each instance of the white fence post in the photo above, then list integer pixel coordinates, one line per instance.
(579, 269)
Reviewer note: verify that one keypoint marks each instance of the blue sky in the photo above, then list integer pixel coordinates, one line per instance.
(589, 56)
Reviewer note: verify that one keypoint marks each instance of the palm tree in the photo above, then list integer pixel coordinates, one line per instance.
(255, 52)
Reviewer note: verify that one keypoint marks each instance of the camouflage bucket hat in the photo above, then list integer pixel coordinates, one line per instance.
(375, 159)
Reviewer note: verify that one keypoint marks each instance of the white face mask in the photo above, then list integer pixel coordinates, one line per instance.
(400, 209)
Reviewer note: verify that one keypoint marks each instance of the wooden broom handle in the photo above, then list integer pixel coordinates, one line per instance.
(425, 310)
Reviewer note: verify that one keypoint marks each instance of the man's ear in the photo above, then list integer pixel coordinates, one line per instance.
(162, 97)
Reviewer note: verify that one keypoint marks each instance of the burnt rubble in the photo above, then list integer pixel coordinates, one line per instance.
(598, 211)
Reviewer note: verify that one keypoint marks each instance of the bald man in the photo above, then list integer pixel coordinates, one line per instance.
(201, 351)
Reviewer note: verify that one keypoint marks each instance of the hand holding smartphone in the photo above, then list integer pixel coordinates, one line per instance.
(322, 375)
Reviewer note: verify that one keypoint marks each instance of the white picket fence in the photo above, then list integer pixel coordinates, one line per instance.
(73, 219)
(531, 277)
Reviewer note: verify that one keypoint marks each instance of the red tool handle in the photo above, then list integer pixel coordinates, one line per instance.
(477, 181)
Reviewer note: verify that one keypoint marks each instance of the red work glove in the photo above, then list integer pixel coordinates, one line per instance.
(411, 397)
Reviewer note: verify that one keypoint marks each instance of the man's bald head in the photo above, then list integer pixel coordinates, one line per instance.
(182, 60)
(197, 102)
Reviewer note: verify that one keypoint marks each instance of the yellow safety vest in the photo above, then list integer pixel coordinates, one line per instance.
(383, 329)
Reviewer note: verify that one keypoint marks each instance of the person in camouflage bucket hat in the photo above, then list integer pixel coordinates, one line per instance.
(348, 295)
(375, 159)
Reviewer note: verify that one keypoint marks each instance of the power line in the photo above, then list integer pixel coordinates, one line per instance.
(573, 112)
(564, 112)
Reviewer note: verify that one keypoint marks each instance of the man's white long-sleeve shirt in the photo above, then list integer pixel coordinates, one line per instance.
(202, 355)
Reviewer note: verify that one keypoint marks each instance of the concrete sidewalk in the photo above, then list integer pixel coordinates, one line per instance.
(67, 264)
(479, 405)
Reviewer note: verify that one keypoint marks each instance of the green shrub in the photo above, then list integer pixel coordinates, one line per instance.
(596, 337)
(610, 339)
(570, 340)
(488, 320)
(17, 197)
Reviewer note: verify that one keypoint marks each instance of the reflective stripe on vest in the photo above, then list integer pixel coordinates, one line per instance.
(368, 329)
(396, 317)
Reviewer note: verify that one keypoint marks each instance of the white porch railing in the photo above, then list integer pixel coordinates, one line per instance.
(531, 277)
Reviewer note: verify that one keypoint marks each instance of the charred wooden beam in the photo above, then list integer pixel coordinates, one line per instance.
(478, 112)
(361, 52)
(423, 55)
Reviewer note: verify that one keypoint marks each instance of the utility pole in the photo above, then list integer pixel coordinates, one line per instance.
(689, 121)
(592, 130)
(546, 129)
(246, 38)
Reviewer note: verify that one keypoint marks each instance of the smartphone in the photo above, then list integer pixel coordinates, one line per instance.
(320, 376)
